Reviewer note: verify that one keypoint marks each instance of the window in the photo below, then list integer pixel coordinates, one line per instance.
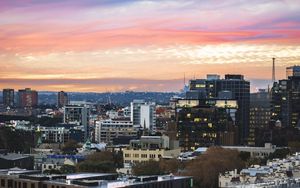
(32, 185)
(127, 155)
(152, 156)
(24, 185)
(144, 155)
(2, 183)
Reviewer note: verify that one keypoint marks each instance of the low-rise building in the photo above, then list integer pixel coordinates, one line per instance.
(256, 152)
(31, 179)
(150, 148)
(277, 173)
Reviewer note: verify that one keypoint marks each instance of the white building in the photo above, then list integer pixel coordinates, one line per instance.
(277, 173)
(143, 114)
(107, 130)
(256, 152)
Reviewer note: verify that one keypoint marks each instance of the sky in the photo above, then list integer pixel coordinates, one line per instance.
(144, 45)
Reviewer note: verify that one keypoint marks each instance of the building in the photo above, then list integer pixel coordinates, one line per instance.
(143, 114)
(150, 148)
(286, 102)
(27, 98)
(61, 133)
(8, 97)
(260, 113)
(206, 122)
(231, 87)
(277, 173)
(78, 115)
(18, 178)
(255, 152)
(62, 99)
(12, 160)
(108, 130)
(292, 71)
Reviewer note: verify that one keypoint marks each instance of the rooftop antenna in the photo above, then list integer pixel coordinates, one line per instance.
(184, 79)
(273, 70)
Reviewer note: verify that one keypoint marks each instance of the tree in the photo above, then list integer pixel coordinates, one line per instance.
(70, 147)
(206, 168)
(101, 162)
(67, 169)
(169, 165)
(279, 153)
(147, 168)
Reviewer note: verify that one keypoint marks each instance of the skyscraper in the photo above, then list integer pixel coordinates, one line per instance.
(62, 99)
(27, 98)
(286, 100)
(293, 71)
(8, 97)
(232, 87)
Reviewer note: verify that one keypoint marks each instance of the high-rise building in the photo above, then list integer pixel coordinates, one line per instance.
(79, 115)
(62, 99)
(206, 122)
(27, 98)
(292, 71)
(260, 113)
(8, 97)
(286, 101)
(143, 114)
(232, 87)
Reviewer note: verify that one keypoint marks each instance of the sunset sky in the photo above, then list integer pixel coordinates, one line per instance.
(117, 45)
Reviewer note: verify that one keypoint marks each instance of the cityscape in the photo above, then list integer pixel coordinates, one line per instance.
(149, 94)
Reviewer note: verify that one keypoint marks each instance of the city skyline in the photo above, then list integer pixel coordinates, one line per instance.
(100, 46)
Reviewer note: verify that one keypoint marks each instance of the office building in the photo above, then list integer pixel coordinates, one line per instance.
(286, 102)
(260, 113)
(108, 130)
(214, 112)
(8, 97)
(143, 114)
(231, 87)
(150, 148)
(206, 122)
(27, 98)
(293, 71)
(78, 115)
(62, 99)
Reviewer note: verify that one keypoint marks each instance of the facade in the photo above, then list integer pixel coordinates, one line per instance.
(143, 114)
(27, 98)
(62, 99)
(108, 130)
(231, 87)
(206, 122)
(286, 102)
(8, 97)
(78, 115)
(150, 148)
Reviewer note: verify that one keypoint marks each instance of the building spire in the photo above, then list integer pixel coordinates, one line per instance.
(273, 70)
